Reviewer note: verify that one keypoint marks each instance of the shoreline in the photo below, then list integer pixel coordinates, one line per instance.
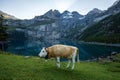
(104, 44)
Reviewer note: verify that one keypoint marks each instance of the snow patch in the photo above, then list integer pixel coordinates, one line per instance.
(68, 15)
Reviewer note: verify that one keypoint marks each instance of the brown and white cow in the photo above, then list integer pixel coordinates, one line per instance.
(60, 51)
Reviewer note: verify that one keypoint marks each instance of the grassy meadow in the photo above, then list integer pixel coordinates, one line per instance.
(14, 67)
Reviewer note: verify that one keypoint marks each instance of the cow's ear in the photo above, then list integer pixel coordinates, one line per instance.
(46, 49)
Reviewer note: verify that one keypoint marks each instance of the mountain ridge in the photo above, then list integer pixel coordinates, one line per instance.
(63, 25)
(7, 16)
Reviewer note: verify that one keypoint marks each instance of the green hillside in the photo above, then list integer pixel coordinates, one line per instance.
(107, 30)
(13, 67)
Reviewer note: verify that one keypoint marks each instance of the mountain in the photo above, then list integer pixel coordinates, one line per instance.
(115, 3)
(83, 22)
(72, 25)
(68, 21)
(76, 15)
(66, 15)
(54, 14)
(101, 26)
(93, 12)
(96, 15)
(7, 16)
(71, 15)
(89, 18)
(107, 30)
(114, 9)
(53, 22)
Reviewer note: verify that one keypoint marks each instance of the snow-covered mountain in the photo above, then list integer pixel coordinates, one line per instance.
(66, 15)
(71, 15)
(64, 24)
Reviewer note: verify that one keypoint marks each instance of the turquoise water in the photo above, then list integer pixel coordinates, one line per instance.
(33, 47)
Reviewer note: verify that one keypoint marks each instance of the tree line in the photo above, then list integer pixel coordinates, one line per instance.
(3, 34)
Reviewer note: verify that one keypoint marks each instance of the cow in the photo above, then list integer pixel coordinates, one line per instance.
(60, 51)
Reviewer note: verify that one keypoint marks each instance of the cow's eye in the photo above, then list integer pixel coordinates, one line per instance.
(43, 51)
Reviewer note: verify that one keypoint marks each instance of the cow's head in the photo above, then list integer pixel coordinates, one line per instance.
(43, 53)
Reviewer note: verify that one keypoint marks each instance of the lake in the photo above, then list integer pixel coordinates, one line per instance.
(33, 47)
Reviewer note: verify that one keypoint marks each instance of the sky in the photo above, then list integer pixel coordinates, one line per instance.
(27, 9)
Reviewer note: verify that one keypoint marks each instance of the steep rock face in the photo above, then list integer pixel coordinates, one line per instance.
(54, 14)
(47, 31)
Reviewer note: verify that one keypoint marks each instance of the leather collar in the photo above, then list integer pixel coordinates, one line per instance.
(46, 57)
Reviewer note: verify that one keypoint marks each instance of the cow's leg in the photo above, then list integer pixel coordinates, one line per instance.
(73, 59)
(73, 62)
(58, 62)
(68, 65)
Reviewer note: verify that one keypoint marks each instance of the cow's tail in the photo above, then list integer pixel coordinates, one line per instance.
(78, 59)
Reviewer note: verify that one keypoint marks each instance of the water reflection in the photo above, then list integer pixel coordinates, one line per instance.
(86, 51)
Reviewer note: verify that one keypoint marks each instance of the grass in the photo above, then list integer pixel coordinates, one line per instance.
(14, 67)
